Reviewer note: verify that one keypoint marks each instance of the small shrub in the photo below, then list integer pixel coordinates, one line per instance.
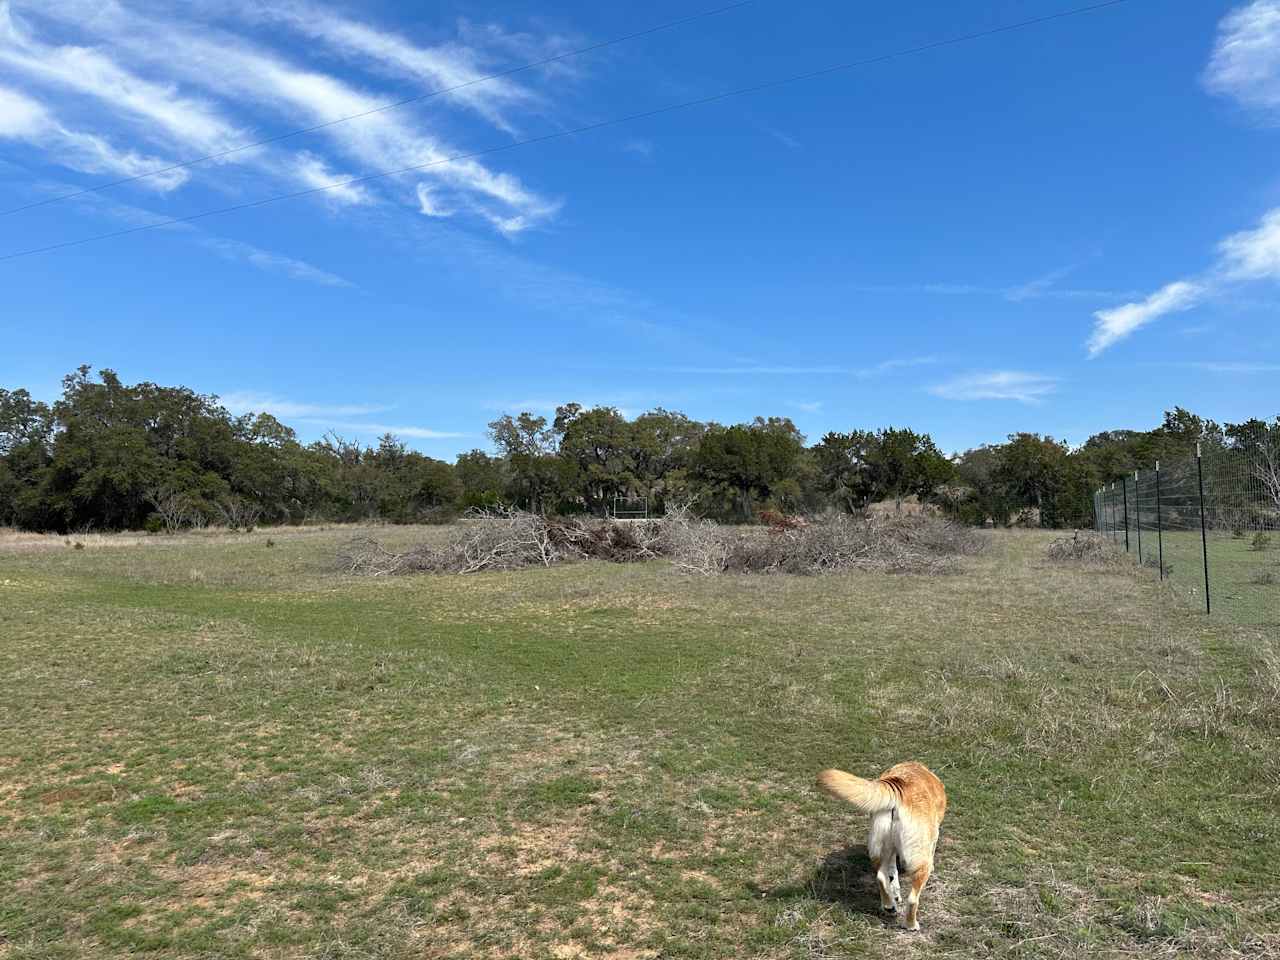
(270, 542)
(1085, 547)
(239, 513)
(1261, 541)
(78, 545)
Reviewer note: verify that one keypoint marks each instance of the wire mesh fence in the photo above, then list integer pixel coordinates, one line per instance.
(1208, 525)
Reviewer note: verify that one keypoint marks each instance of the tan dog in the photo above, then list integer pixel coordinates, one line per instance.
(906, 804)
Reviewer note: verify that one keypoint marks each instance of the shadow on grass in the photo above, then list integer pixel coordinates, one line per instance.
(844, 878)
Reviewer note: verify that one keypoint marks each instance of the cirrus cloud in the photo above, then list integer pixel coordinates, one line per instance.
(152, 87)
(1017, 385)
(1113, 325)
(1245, 65)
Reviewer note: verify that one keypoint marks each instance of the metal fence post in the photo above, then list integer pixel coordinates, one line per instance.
(1204, 535)
(1115, 515)
(1137, 506)
(1124, 488)
(1159, 530)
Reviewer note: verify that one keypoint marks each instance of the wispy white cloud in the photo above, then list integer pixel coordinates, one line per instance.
(381, 141)
(23, 119)
(1253, 254)
(367, 430)
(519, 46)
(1040, 286)
(1245, 65)
(441, 67)
(1014, 385)
(1247, 256)
(315, 172)
(87, 71)
(751, 369)
(265, 260)
(1113, 325)
(225, 248)
(202, 88)
(1037, 289)
(429, 203)
(783, 138)
(640, 147)
(1229, 366)
(806, 406)
(887, 366)
(784, 371)
(248, 401)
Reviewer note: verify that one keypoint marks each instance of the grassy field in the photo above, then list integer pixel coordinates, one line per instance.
(215, 747)
(1244, 583)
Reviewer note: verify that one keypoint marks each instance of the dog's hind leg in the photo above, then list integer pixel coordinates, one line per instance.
(919, 877)
(884, 859)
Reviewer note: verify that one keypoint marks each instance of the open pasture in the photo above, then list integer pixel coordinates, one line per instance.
(212, 747)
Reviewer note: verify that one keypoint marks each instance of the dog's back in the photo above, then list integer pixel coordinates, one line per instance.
(906, 803)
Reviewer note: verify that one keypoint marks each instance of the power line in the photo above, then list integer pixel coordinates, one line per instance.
(586, 128)
(670, 24)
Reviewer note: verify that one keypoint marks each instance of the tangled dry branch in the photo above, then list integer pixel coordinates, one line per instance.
(511, 539)
(1086, 547)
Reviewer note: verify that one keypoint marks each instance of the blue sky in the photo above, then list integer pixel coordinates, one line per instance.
(1064, 228)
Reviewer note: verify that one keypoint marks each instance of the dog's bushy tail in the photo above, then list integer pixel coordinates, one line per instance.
(869, 796)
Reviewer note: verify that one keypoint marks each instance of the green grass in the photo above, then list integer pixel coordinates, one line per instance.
(212, 748)
(1244, 583)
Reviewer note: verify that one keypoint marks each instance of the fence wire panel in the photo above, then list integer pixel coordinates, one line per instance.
(1209, 527)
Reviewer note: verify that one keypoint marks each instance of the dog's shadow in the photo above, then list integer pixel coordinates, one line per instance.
(844, 878)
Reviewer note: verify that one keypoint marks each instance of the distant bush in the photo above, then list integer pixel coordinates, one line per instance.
(1261, 541)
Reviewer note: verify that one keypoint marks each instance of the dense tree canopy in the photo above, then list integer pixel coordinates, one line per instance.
(110, 455)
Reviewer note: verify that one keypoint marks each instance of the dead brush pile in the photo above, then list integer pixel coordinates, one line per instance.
(906, 544)
(513, 539)
(1087, 548)
(507, 539)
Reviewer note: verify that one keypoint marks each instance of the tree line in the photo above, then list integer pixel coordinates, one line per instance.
(109, 455)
